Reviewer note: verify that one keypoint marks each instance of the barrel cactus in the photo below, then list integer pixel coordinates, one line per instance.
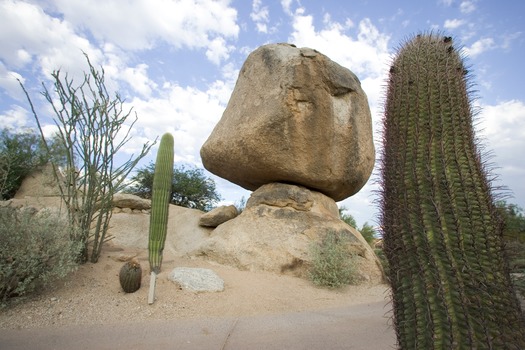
(451, 288)
(160, 200)
(130, 276)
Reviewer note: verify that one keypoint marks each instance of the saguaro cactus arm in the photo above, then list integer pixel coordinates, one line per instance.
(160, 199)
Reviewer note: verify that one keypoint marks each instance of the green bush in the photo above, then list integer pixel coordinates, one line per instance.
(333, 265)
(35, 250)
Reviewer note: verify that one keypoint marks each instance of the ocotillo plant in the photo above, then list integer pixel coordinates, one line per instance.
(451, 288)
(160, 199)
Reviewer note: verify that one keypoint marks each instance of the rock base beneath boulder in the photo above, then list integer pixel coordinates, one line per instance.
(276, 230)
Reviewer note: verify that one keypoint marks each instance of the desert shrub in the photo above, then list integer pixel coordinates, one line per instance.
(35, 250)
(333, 265)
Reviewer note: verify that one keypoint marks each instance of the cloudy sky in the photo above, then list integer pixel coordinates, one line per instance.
(176, 62)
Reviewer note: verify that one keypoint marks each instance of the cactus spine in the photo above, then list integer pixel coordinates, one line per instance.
(451, 288)
(160, 199)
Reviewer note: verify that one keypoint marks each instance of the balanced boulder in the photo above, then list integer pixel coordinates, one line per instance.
(295, 116)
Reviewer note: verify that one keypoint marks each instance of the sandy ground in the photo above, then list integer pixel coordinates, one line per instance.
(92, 296)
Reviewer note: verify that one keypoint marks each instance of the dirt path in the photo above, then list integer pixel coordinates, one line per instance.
(93, 296)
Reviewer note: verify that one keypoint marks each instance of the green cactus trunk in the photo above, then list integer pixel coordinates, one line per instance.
(160, 199)
(451, 288)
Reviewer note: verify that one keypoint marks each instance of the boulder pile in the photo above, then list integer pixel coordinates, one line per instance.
(298, 132)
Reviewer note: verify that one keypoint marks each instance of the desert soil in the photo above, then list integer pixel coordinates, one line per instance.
(92, 295)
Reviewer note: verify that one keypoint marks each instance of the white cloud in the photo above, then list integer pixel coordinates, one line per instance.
(188, 113)
(218, 50)
(260, 15)
(15, 119)
(467, 6)
(502, 128)
(364, 55)
(508, 39)
(479, 47)
(9, 82)
(141, 24)
(504, 123)
(286, 5)
(28, 33)
(453, 23)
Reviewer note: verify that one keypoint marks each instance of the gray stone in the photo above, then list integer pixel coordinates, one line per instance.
(296, 117)
(218, 216)
(197, 279)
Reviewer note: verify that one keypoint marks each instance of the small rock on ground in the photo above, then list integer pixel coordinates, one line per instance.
(197, 279)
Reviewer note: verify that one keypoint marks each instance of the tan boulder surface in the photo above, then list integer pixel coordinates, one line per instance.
(184, 237)
(218, 216)
(295, 116)
(40, 183)
(276, 229)
(127, 200)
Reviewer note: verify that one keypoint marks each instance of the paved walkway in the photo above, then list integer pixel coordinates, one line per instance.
(354, 327)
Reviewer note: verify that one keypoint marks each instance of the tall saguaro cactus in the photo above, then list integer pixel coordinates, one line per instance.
(160, 199)
(451, 288)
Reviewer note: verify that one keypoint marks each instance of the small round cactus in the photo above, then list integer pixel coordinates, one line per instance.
(130, 276)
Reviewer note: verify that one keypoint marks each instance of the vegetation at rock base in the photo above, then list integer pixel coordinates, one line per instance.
(442, 231)
(92, 129)
(35, 251)
(333, 265)
(190, 187)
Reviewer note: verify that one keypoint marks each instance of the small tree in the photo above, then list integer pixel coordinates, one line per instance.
(347, 218)
(91, 127)
(512, 215)
(368, 232)
(190, 187)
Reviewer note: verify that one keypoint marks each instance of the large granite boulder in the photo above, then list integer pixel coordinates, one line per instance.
(276, 229)
(297, 117)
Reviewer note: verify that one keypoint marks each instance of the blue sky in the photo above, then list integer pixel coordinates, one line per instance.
(176, 62)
